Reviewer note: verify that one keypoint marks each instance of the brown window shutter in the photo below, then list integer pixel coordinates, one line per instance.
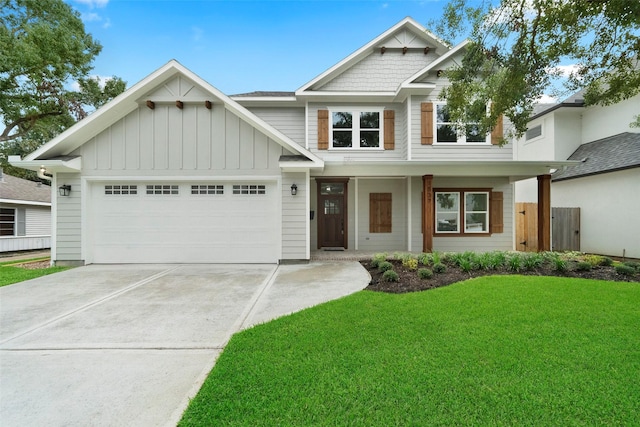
(496, 212)
(323, 129)
(379, 212)
(426, 118)
(389, 129)
(497, 132)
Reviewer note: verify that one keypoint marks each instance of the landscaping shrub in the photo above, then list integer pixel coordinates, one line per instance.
(633, 264)
(410, 263)
(425, 258)
(385, 266)
(377, 259)
(560, 264)
(515, 263)
(390, 276)
(425, 273)
(439, 268)
(606, 261)
(531, 261)
(625, 270)
(584, 266)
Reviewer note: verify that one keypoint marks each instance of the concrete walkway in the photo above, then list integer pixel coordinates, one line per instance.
(129, 345)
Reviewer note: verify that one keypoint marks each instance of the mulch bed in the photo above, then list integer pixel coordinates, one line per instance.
(410, 282)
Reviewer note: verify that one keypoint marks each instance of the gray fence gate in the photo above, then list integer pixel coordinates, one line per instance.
(565, 231)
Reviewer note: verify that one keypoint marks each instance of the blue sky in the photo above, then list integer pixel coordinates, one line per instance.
(239, 46)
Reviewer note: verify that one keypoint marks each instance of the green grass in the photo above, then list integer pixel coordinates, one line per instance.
(506, 350)
(10, 274)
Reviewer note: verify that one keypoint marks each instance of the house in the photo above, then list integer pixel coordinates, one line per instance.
(362, 157)
(605, 185)
(25, 214)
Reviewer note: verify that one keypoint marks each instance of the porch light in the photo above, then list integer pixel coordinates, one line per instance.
(294, 189)
(64, 190)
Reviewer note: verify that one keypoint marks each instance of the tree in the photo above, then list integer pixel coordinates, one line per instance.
(44, 51)
(516, 48)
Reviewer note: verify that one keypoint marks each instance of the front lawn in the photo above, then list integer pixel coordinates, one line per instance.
(501, 350)
(13, 272)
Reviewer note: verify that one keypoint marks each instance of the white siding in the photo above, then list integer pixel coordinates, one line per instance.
(38, 221)
(608, 219)
(600, 122)
(191, 141)
(289, 121)
(398, 153)
(397, 239)
(294, 217)
(381, 72)
(68, 221)
(450, 152)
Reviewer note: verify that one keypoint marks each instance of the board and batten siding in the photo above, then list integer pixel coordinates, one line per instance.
(294, 217)
(189, 141)
(450, 151)
(68, 220)
(497, 241)
(289, 121)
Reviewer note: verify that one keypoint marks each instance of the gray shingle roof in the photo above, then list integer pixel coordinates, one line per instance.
(609, 154)
(264, 94)
(13, 188)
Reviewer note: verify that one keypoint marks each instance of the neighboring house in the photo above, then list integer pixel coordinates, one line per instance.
(25, 214)
(605, 185)
(362, 157)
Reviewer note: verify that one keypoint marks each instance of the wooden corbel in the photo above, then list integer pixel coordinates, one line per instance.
(382, 50)
(151, 104)
(404, 50)
(180, 104)
(426, 50)
(208, 104)
(439, 73)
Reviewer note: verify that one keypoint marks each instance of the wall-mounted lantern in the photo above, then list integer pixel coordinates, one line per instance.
(294, 189)
(64, 190)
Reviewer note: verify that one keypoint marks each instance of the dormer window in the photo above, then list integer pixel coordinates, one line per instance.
(356, 129)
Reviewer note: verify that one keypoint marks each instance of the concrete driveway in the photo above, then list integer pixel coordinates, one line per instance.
(129, 345)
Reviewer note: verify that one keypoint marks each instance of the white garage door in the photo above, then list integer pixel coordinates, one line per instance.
(222, 222)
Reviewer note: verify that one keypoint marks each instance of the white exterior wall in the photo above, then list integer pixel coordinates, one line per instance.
(613, 196)
(295, 217)
(68, 239)
(381, 72)
(497, 241)
(37, 230)
(541, 147)
(288, 120)
(450, 151)
(397, 239)
(568, 132)
(600, 122)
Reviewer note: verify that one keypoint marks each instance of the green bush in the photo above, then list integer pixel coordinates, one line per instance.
(390, 276)
(425, 258)
(625, 270)
(377, 259)
(425, 273)
(560, 264)
(531, 261)
(606, 261)
(439, 268)
(633, 264)
(515, 263)
(385, 266)
(583, 266)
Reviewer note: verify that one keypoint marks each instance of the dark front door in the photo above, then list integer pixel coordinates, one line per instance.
(332, 217)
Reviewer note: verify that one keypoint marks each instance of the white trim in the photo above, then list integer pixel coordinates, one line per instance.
(409, 112)
(356, 129)
(462, 140)
(307, 214)
(409, 216)
(356, 209)
(24, 202)
(420, 74)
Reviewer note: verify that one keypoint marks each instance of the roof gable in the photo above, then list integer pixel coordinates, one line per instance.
(406, 34)
(170, 83)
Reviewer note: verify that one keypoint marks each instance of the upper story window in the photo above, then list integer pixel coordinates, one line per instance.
(356, 129)
(533, 132)
(447, 132)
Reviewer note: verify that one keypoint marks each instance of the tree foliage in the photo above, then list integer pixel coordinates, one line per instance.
(45, 63)
(517, 46)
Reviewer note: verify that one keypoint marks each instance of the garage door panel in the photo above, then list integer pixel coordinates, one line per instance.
(184, 227)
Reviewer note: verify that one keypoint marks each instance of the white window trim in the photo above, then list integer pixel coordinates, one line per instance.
(355, 111)
(462, 213)
(486, 213)
(462, 139)
(14, 222)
